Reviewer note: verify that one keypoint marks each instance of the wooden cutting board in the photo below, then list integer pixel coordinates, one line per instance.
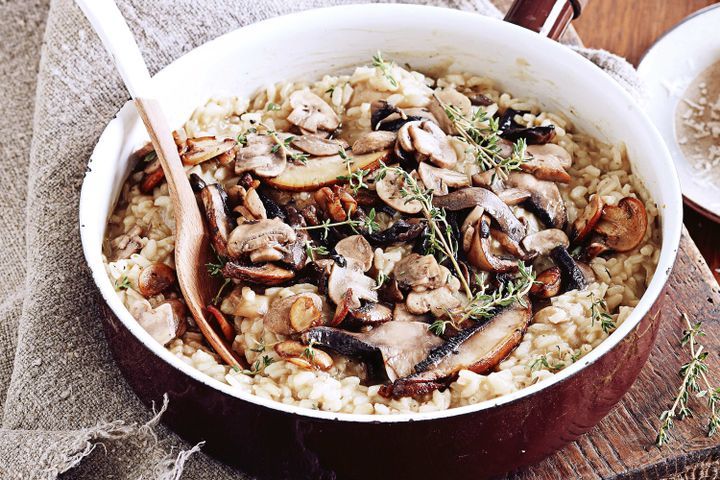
(622, 445)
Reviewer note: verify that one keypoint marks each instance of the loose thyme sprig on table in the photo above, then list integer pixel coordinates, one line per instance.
(694, 375)
(481, 133)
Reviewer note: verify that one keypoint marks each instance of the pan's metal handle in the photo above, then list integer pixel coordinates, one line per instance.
(547, 17)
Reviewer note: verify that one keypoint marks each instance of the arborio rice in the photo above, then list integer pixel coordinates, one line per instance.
(140, 234)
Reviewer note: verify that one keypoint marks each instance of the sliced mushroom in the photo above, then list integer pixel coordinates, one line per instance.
(622, 227)
(548, 162)
(250, 236)
(429, 141)
(369, 314)
(545, 199)
(390, 188)
(542, 242)
(436, 301)
(451, 98)
(312, 113)
(214, 202)
(548, 283)
(270, 253)
(162, 323)
(202, 149)
(511, 130)
(314, 145)
(153, 175)
(295, 314)
(374, 142)
(478, 348)
(155, 279)
(401, 314)
(475, 196)
(387, 117)
(302, 356)
(226, 329)
(267, 274)
(400, 231)
(439, 179)
(573, 278)
(480, 254)
(585, 223)
(251, 207)
(357, 251)
(323, 171)
(336, 202)
(262, 155)
(513, 196)
(416, 271)
(341, 279)
(390, 350)
(127, 244)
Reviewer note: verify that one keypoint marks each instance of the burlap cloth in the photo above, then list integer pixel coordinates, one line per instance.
(65, 407)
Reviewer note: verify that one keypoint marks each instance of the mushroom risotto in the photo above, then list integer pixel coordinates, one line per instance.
(387, 241)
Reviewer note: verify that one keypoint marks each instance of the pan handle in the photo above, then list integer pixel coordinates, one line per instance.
(546, 17)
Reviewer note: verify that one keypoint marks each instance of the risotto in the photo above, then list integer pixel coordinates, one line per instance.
(388, 242)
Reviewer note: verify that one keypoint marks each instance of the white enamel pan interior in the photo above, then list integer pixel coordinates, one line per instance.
(306, 45)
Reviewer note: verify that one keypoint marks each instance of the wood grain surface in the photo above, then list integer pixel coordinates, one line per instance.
(622, 446)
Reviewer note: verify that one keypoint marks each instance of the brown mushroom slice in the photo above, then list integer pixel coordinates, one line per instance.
(162, 323)
(451, 98)
(251, 236)
(513, 196)
(400, 231)
(343, 278)
(269, 253)
(401, 314)
(480, 254)
(323, 171)
(214, 202)
(585, 223)
(436, 301)
(545, 199)
(357, 251)
(476, 196)
(429, 140)
(623, 226)
(415, 270)
(374, 142)
(226, 329)
(478, 348)
(312, 113)
(261, 155)
(155, 279)
(267, 274)
(390, 187)
(127, 244)
(548, 283)
(439, 179)
(336, 202)
(295, 314)
(314, 145)
(390, 350)
(153, 175)
(511, 246)
(202, 149)
(542, 242)
(369, 314)
(548, 162)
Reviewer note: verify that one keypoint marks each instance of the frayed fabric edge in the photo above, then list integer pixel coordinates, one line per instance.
(170, 468)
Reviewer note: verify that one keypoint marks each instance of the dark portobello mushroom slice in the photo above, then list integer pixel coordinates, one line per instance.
(511, 130)
(479, 348)
(573, 277)
(400, 231)
(267, 274)
(389, 351)
(545, 200)
(215, 207)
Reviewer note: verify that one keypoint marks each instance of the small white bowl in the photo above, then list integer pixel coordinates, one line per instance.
(668, 69)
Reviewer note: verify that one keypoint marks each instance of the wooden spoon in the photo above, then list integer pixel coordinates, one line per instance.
(192, 247)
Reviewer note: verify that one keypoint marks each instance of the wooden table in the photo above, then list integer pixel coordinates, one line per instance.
(629, 28)
(622, 445)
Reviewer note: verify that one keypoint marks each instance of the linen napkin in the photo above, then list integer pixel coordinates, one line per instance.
(64, 407)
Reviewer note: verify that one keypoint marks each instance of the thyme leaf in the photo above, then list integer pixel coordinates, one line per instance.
(385, 68)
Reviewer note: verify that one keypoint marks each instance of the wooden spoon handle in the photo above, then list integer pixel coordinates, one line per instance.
(195, 283)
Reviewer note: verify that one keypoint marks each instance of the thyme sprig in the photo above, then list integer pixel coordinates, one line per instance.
(215, 270)
(122, 283)
(599, 314)
(440, 236)
(481, 134)
(259, 365)
(694, 375)
(385, 68)
(312, 250)
(368, 224)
